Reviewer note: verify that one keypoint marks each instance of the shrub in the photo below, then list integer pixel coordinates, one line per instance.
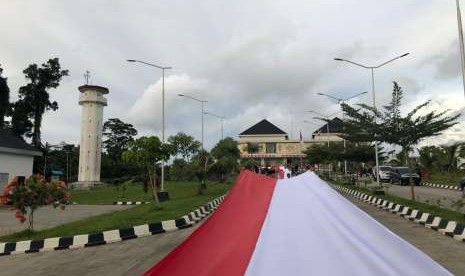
(33, 193)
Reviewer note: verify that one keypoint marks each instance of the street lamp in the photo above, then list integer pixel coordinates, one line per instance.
(163, 68)
(373, 94)
(219, 117)
(309, 123)
(462, 57)
(203, 107)
(341, 100)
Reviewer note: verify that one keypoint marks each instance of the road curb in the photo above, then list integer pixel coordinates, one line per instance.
(441, 186)
(443, 226)
(110, 236)
(130, 202)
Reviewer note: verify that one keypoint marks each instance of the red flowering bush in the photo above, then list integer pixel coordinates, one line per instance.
(26, 196)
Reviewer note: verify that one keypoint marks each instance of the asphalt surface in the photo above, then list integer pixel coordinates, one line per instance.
(446, 251)
(47, 217)
(131, 257)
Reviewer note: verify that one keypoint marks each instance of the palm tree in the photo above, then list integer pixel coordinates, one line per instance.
(451, 153)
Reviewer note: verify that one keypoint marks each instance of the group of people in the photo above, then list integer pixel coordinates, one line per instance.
(277, 171)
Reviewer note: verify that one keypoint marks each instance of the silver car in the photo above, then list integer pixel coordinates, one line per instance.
(384, 173)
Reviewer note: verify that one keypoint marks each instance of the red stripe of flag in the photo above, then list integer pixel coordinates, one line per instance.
(224, 244)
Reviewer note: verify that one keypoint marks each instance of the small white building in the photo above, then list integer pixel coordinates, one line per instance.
(16, 157)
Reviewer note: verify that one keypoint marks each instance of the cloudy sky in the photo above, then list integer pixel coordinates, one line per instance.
(250, 59)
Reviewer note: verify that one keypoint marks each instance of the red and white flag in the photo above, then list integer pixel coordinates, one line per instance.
(296, 226)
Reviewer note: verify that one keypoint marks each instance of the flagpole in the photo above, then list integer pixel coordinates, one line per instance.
(462, 57)
(301, 142)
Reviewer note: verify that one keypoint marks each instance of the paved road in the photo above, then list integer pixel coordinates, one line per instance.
(446, 251)
(47, 217)
(131, 257)
(428, 195)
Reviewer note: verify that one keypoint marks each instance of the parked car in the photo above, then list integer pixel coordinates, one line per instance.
(401, 175)
(384, 173)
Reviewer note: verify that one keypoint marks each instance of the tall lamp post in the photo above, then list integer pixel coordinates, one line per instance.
(327, 125)
(339, 101)
(462, 54)
(163, 68)
(309, 123)
(373, 95)
(203, 108)
(219, 117)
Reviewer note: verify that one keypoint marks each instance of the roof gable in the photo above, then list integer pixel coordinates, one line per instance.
(9, 140)
(263, 127)
(335, 126)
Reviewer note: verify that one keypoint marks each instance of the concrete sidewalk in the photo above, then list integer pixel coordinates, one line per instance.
(47, 217)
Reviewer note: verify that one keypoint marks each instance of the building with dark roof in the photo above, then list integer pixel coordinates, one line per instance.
(330, 131)
(270, 144)
(16, 157)
(264, 127)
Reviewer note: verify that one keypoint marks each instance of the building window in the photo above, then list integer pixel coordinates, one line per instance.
(270, 147)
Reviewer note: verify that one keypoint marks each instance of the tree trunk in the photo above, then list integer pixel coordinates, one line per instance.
(36, 141)
(154, 189)
(31, 221)
(412, 184)
(2, 115)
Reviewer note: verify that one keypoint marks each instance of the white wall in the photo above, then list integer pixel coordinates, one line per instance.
(15, 165)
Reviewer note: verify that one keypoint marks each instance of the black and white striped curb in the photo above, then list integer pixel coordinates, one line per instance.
(110, 236)
(130, 202)
(442, 186)
(443, 226)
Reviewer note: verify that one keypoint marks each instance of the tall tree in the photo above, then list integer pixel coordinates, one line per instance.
(429, 157)
(118, 136)
(201, 164)
(35, 94)
(4, 98)
(452, 152)
(21, 124)
(226, 154)
(369, 124)
(146, 152)
(184, 145)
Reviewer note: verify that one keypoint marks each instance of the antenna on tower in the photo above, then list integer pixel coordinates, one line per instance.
(87, 77)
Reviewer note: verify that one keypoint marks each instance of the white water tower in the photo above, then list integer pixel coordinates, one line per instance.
(92, 101)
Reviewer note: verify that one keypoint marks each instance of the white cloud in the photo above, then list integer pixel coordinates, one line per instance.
(250, 60)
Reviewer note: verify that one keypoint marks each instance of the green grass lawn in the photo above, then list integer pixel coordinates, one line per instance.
(451, 178)
(123, 192)
(183, 196)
